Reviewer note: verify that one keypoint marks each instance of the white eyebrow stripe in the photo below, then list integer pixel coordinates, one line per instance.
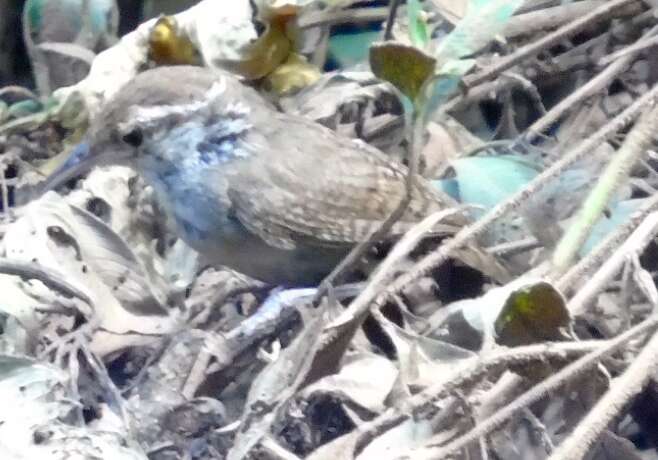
(217, 89)
(151, 116)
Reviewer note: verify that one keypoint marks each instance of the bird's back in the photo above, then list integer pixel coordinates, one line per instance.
(306, 184)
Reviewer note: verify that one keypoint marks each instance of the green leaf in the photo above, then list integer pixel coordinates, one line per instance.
(533, 313)
(25, 108)
(417, 26)
(446, 82)
(455, 68)
(482, 23)
(33, 13)
(484, 20)
(487, 180)
(406, 67)
(351, 48)
(293, 75)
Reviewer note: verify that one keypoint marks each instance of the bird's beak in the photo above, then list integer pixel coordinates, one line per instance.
(79, 161)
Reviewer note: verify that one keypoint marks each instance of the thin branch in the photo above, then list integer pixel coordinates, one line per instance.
(472, 370)
(275, 451)
(513, 247)
(364, 301)
(635, 145)
(601, 253)
(532, 22)
(601, 279)
(277, 310)
(392, 14)
(52, 280)
(592, 87)
(568, 60)
(406, 244)
(536, 393)
(622, 390)
(648, 41)
(348, 16)
(18, 90)
(602, 13)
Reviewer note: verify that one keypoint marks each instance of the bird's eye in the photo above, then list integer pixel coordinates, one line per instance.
(134, 137)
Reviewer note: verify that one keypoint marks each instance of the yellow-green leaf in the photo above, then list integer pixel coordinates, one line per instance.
(293, 75)
(404, 66)
(533, 313)
(168, 46)
(485, 19)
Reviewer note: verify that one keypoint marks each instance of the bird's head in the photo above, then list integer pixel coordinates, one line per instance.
(152, 104)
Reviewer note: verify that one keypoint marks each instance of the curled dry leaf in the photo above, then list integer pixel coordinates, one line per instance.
(268, 51)
(422, 358)
(354, 382)
(292, 75)
(94, 259)
(116, 264)
(398, 440)
(168, 45)
(37, 406)
(219, 31)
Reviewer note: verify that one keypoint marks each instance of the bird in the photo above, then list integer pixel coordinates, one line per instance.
(271, 195)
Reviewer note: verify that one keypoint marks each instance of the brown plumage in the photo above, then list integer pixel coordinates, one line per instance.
(275, 196)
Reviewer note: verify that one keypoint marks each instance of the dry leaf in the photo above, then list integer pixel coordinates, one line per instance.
(267, 52)
(168, 46)
(293, 75)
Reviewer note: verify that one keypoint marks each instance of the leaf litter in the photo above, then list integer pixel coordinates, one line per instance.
(508, 341)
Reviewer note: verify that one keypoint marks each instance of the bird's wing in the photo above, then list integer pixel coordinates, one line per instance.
(322, 189)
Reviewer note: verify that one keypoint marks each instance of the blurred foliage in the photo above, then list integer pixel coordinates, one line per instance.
(485, 181)
(350, 48)
(428, 77)
(14, 62)
(418, 31)
(62, 21)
